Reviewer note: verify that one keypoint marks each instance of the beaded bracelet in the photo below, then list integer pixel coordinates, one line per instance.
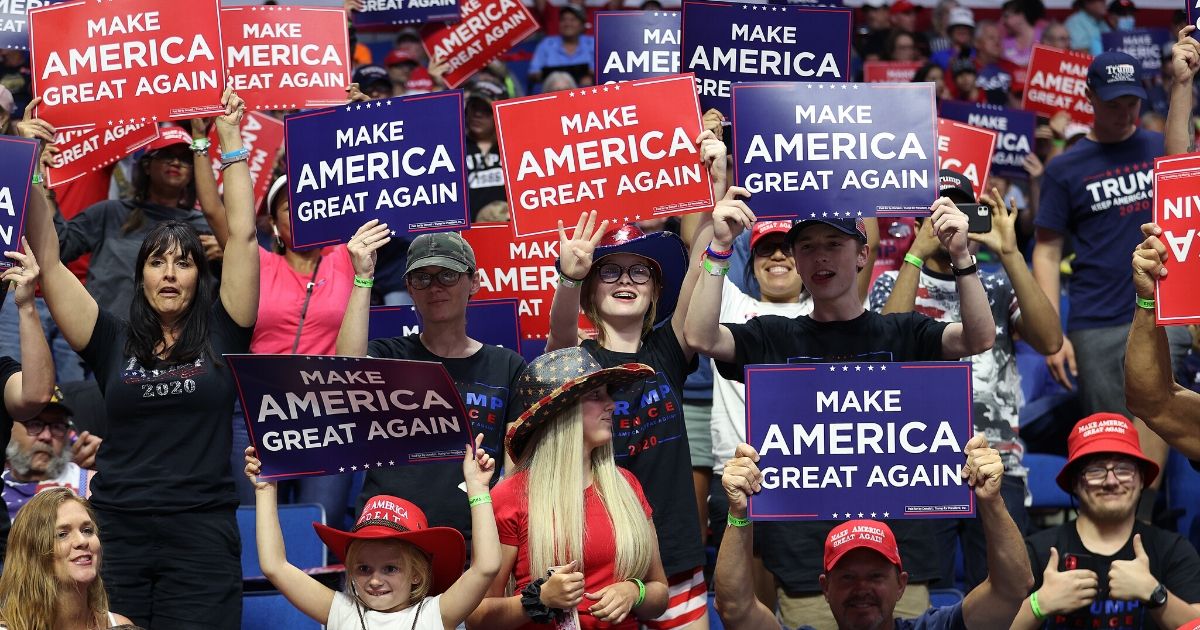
(201, 146)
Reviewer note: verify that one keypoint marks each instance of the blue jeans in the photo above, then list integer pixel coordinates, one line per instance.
(68, 367)
(330, 491)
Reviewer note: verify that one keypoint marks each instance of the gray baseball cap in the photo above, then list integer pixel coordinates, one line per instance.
(448, 250)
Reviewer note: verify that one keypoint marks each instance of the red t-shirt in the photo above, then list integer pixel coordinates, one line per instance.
(599, 546)
(283, 290)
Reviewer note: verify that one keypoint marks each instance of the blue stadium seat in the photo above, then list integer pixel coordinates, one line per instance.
(1042, 471)
(1183, 493)
(714, 620)
(272, 610)
(304, 549)
(939, 597)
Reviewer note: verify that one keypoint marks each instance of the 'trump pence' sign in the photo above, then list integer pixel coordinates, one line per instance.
(1177, 212)
(840, 441)
(625, 150)
(399, 160)
(17, 159)
(111, 63)
(848, 150)
(309, 415)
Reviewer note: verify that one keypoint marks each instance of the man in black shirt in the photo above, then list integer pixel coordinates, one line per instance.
(1106, 569)
(485, 174)
(828, 253)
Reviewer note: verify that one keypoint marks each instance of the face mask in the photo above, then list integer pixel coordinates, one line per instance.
(1125, 23)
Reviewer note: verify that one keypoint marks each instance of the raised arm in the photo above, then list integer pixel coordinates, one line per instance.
(734, 580)
(904, 294)
(239, 273)
(704, 333)
(713, 156)
(469, 590)
(977, 332)
(995, 602)
(574, 264)
(864, 275)
(1185, 60)
(301, 589)
(1039, 324)
(27, 391)
(1047, 257)
(499, 611)
(363, 248)
(207, 193)
(1151, 392)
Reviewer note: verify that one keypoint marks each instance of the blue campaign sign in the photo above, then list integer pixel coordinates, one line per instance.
(18, 158)
(399, 160)
(860, 440)
(636, 45)
(316, 415)
(1144, 44)
(1013, 127)
(845, 150)
(726, 43)
(399, 12)
(14, 26)
(494, 322)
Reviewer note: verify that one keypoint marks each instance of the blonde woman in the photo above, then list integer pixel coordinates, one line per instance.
(589, 554)
(51, 577)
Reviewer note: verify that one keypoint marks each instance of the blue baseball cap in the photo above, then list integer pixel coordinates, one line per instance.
(850, 227)
(1115, 74)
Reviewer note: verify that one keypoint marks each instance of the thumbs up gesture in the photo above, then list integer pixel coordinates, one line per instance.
(1130, 580)
(1065, 591)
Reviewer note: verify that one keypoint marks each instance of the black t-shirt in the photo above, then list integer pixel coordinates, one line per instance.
(650, 440)
(169, 434)
(1173, 561)
(8, 369)
(486, 381)
(485, 176)
(792, 551)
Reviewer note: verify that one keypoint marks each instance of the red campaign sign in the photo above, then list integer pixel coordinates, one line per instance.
(1056, 82)
(150, 58)
(625, 150)
(262, 135)
(85, 150)
(965, 149)
(284, 57)
(1177, 212)
(488, 28)
(890, 71)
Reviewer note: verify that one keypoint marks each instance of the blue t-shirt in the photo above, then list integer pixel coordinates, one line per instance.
(1100, 195)
(944, 618)
(551, 54)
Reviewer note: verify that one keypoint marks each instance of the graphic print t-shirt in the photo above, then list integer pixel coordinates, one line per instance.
(1099, 195)
(486, 381)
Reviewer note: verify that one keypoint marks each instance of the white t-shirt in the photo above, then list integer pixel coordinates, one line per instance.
(343, 616)
(729, 397)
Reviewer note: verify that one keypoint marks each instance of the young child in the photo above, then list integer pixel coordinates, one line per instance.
(401, 573)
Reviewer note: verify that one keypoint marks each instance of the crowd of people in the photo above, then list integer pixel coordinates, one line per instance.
(602, 469)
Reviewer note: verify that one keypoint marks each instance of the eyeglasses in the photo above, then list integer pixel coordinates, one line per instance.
(1096, 475)
(57, 429)
(612, 272)
(766, 249)
(182, 160)
(422, 280)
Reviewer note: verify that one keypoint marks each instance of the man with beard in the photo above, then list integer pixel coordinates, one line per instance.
(40, 457)
(1106, 569)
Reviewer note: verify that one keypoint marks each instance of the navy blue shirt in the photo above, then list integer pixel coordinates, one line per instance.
(1099, 195)
(944, 618)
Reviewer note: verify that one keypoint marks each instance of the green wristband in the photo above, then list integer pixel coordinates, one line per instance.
(1037, 610)
(1144, 303)
(713, 270)
(479, 499)
(365, 283)
(914, 261)
(735, 521)
(37, 178)
(641, 591)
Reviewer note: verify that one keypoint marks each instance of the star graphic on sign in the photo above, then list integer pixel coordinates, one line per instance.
(832, 368)
(391, 462)
(860, 515)
(870, 368)
(858, 368)
(886, 514)
(845, 368)
(378, 464)
(358, 107)
(571, 94)
(847, 515)
(824, 214)
(812, 215)
(367, 466)
(872, 515)
(342, 469)
(835, 515)
(110, 123)
(606, 88)
(354, 468)
(883, 368)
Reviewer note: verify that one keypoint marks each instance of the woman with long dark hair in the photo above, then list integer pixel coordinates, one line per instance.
(164, 496)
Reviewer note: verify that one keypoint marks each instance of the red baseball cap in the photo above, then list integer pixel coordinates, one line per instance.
(397, 57)
(763, 228)
(1104, 433)
(857, 534)
(1191, 625)
(169, 137)
(903, 6)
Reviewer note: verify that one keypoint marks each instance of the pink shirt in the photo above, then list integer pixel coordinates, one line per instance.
(281, 297)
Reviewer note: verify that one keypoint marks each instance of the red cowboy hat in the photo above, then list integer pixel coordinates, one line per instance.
(390, 518)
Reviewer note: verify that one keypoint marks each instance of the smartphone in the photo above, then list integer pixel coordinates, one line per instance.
(979, 217)
(1072, 561)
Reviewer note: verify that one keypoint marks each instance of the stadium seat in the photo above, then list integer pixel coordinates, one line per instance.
(304, 549)
(1042, 471)
(272, 610)
(714, 620)
(1183, 494)
(939, 597)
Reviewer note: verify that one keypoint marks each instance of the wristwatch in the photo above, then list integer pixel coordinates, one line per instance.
(965, 271)
(1158, 597)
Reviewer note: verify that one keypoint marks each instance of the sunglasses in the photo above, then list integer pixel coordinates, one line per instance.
(57, 429)
(766, 249)
(446, 277)
(612, 272)
(182, 160)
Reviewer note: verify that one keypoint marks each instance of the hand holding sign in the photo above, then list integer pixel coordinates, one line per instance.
(741, 479)
(564, 589)
(1064, 591)
(1148, 261)
(478, 468)
(364, 246)
(1185, 55)
(575, 253)
(712, 154)
(950, 225)
(731, 217)
(984, 470)
(229, 124)
(1131, 580)
(23, 274)
(32, 127)
(1002, 239)
(254, 468)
